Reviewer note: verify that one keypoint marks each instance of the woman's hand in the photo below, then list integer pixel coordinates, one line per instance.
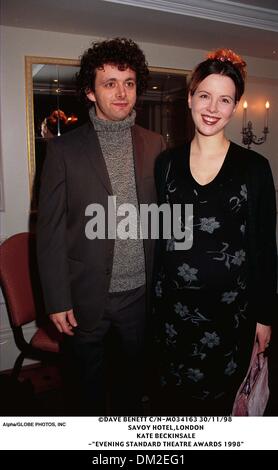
(263, 335)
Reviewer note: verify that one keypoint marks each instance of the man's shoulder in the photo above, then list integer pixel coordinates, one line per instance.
(147, 133)
(72, 136)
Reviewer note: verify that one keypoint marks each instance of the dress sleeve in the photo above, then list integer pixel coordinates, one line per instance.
(267, 250)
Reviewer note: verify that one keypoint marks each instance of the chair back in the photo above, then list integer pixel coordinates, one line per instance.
(18, 274)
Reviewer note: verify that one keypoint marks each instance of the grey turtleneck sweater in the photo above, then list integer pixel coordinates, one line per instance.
(116, 144)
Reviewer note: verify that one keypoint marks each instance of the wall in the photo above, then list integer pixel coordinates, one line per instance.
(16, 43)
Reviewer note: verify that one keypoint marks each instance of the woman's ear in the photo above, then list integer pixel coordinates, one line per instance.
(236, 106)
(189, 100)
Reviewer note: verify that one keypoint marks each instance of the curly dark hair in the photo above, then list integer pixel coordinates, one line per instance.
(122, 52)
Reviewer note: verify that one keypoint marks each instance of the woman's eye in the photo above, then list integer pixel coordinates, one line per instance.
(203, 96)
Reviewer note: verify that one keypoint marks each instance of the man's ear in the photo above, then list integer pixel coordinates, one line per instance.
(91, 96)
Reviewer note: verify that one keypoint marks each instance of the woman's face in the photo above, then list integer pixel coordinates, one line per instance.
(213, 104)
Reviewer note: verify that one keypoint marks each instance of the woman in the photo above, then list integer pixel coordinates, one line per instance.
(212, 299)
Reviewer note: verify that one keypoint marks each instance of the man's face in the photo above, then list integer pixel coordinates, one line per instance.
(115, 92)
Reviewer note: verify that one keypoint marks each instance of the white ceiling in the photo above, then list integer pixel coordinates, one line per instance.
(250, 26)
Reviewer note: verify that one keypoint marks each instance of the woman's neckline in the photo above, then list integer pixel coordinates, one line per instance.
(218, 174)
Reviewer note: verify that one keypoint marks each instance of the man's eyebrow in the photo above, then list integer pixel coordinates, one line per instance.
(114, 79)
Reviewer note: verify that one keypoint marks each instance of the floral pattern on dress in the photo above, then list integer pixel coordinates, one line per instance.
(209, 340)
(188, 274)
(194, 374)
(237, 201)
(208, 224)
(237, 258)
(195, 317)
(229, 297)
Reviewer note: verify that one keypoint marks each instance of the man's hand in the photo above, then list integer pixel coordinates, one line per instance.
(263, 335)
(64, 321)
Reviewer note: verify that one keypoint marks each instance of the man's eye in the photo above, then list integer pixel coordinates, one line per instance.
(109, 85)
(130, 84)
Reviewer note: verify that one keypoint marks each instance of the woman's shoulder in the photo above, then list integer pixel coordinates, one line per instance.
(255, 159)
(169, 157)
(257, 166)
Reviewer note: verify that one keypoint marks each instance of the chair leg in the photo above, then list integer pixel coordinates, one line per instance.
(18, 365)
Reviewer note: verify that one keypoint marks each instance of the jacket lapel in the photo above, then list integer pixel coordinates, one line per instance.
(92, 149)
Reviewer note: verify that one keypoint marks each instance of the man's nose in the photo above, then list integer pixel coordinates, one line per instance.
(121, 90)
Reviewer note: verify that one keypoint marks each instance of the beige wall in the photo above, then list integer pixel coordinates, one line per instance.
(17, 43)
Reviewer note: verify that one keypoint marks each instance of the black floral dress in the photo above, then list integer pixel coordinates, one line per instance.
(201, 309)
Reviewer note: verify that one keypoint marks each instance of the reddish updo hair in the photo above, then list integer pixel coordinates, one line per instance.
(223, 62)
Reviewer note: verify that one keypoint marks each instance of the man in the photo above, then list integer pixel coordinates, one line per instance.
(94, 287)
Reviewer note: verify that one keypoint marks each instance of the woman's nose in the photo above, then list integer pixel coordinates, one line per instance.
(212, 107)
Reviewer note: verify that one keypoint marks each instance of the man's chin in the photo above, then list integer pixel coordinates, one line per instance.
(120, 116)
